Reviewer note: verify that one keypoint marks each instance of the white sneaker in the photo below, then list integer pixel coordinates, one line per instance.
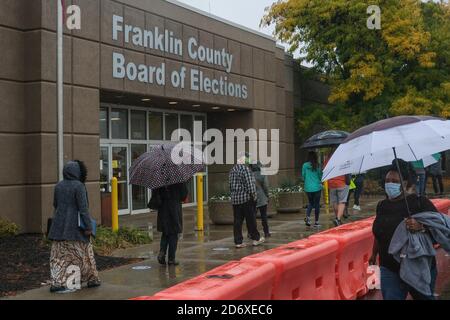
(260, 241)
(355, 207)
(239, 246)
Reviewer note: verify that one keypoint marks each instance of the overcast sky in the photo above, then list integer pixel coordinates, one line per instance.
(244, 12)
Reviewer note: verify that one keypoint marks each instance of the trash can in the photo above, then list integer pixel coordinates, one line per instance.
(106, 209)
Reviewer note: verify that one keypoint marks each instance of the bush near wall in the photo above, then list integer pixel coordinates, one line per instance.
(107, 241)
(8, 228)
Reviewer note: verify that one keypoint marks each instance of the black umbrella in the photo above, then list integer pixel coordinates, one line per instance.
(157, 168)
(325, 139)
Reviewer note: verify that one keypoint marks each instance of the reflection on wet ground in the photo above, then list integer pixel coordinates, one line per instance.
(198, 252)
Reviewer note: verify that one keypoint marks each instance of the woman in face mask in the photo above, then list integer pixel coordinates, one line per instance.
(390, 213)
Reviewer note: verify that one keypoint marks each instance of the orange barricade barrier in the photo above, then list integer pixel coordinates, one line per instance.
(305, 269)
(236, 280)
(355, 248)
(443, 205)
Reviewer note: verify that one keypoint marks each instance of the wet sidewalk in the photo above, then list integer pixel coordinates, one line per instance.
(197, 254)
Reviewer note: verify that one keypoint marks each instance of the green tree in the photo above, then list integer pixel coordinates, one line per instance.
(403, 68)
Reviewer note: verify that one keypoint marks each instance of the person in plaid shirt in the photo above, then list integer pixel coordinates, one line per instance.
(243, 198)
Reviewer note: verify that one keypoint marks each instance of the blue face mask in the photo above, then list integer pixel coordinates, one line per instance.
(393, 190)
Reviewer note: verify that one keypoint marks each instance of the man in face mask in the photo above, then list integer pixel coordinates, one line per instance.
(390, 213)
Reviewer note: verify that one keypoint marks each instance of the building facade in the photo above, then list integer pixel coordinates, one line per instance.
(134, 72)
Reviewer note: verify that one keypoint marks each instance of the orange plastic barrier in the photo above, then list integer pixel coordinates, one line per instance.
(236, 280)
(305, 269)
(355, 248)
(443, 205)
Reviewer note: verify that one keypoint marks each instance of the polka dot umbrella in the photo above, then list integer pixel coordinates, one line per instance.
(165, 165)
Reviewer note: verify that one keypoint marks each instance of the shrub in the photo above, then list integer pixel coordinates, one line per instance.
(134, 236)
(107, 241)
(8, 228)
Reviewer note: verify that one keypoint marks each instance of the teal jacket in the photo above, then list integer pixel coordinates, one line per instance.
(312, 178)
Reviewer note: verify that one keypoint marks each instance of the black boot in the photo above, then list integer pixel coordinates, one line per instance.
(94, 284)
(162, 258)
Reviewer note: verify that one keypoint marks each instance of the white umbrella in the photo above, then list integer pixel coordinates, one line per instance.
(428, 161)
(411, 137)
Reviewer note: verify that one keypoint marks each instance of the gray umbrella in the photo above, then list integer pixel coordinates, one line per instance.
(325, 139)
(156, 168)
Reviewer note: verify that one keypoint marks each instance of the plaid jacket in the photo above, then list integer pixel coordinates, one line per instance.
(242, 184)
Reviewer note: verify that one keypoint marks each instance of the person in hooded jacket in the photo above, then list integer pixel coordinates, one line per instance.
(71, 246)
(262, 196)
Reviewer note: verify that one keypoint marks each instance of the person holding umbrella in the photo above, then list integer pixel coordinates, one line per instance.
(389, 214)
(165, 169)
(382, 143)
(168, 201)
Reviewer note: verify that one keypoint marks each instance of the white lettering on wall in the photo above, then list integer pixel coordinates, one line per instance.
(167, 41)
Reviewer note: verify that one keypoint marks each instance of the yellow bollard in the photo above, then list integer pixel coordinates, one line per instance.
(114, 205)
(326, 194)
(199, 202)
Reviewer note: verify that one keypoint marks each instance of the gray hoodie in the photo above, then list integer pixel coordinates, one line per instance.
(415, 251)
(70, 199)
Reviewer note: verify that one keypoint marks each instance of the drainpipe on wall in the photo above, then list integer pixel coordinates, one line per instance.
(60, 89)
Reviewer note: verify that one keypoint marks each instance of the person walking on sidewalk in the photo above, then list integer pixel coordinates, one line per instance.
(359, 182)
(419, 169)
(243, 198)
(71, 245)
(168, 201)
(339, 188)
(435, 171)
(262, 195)
(312, 177)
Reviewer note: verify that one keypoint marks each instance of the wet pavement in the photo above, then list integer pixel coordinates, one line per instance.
(198, 252)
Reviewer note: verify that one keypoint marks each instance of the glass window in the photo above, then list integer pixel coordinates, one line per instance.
(186, 122)
(104, 128)
(171, 121)
(155, 125)
(120, 171)
(139, 194)
(138, 125)
(119, 124)
(203, 121)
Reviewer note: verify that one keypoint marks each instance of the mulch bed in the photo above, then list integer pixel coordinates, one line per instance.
(24, 263)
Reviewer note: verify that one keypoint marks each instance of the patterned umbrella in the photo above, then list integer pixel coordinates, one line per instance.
(165, 165)
(325, 139)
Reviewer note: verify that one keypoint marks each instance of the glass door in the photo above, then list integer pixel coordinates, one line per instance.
(104, 169)
(139, 195)
(120, 167)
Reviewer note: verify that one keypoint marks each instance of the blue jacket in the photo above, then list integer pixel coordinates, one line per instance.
(70, 199)
(312, 178)
(415, 251)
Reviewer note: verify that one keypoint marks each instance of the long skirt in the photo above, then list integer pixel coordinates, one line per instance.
(72, 262)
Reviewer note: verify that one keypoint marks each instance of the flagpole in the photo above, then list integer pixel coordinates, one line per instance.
(60, 90)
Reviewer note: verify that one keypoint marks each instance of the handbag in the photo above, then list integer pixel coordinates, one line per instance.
(83, 227)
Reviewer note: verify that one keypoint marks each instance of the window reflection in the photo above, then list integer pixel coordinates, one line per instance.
(119, 124)
(155, 125)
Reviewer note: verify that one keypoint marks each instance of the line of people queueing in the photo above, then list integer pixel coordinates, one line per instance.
(340, 191)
